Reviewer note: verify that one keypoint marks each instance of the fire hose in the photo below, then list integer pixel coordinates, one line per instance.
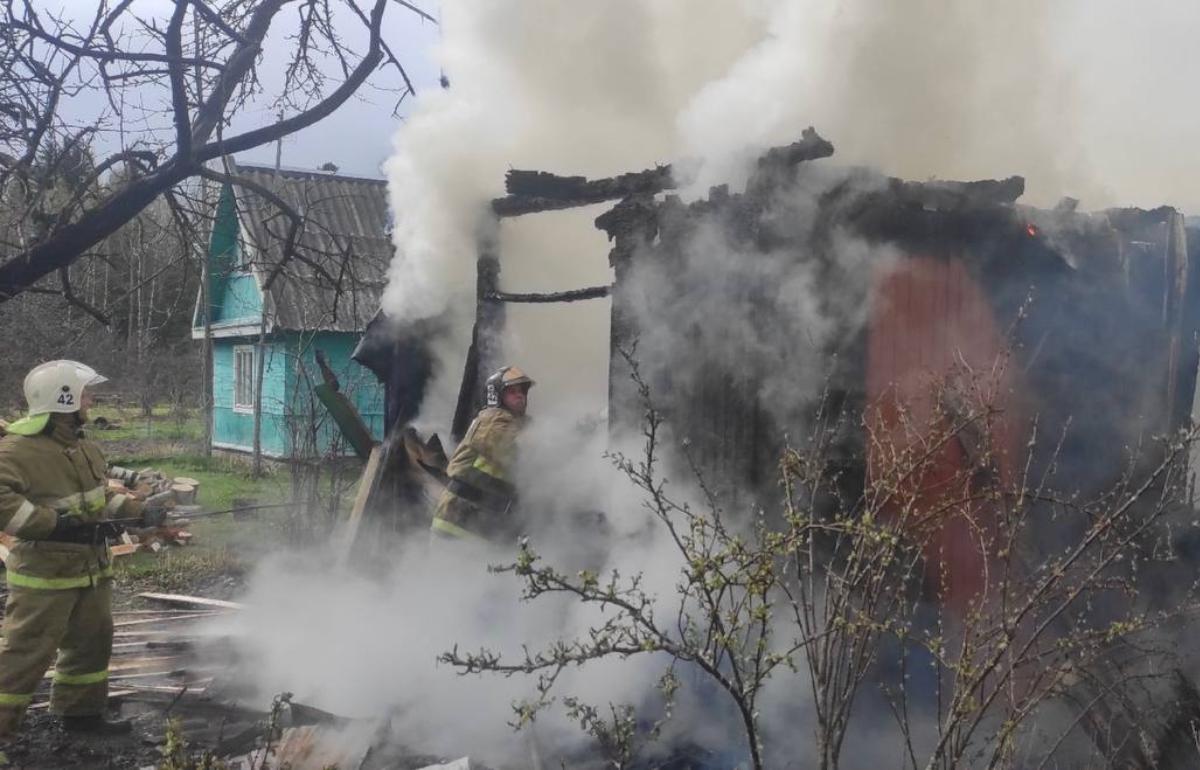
(95, 532)
(159, 516)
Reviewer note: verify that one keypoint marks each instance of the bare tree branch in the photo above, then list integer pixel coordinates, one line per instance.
(48, 60)
(214, 18)
(291, 125)
(416, 10)
(65, 278)
(179, 103)
(237, 66)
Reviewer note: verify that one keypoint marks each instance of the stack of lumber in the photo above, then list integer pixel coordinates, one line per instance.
(156, 651)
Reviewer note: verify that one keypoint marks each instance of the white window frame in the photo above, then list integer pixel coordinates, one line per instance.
(245, 354)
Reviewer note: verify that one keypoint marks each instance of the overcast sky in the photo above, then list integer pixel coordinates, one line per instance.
(357, 137)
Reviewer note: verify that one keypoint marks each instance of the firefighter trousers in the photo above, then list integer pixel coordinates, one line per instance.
(75, 623)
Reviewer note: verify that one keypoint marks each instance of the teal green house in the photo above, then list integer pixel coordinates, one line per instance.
(286, 281)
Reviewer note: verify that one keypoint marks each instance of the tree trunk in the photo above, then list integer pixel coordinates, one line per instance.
(206, 348)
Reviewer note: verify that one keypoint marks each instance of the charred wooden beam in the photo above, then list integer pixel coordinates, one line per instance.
(466, 390)
(937, 217)
(484, 353)
(533, 191)
(593, 292)
(631, 225)
(810, 147)
(400, 355)
(516, 205)
(951, 196)
(542, 184)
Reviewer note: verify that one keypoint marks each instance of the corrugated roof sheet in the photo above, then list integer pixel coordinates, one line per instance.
(337, 272)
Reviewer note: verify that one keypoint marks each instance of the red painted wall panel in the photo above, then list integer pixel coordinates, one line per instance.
(932, 330)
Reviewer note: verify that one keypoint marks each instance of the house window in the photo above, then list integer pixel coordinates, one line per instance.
(243, 378)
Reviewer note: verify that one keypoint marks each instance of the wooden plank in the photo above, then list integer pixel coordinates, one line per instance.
(127, 646)
(120, 667)
(116, 693)
(193, 688)
(144, 621)
(124, 664)
(198, 600)
(164, 612)
(367, 484)
(174, 673)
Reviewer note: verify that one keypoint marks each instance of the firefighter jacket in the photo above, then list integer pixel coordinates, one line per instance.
(479, 498)
(57, 471)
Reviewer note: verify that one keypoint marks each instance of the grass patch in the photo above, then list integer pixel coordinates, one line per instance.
(222, 481)
(164, 423)
(177, 570)
(222, 548)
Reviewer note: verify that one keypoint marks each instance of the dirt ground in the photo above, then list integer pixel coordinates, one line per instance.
(43, 745)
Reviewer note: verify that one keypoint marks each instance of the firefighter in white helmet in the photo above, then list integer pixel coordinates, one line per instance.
(479, 498)
(54, 500)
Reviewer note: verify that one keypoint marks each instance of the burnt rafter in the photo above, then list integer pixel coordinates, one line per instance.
(811, 146)
(938, 216)
(951, 196)
(533, 191)
(530, 192)
(574, 295)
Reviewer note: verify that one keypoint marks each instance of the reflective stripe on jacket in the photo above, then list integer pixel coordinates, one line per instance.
(44, 475)
(482, 463)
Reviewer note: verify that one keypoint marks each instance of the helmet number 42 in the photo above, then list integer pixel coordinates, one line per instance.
(67, 399)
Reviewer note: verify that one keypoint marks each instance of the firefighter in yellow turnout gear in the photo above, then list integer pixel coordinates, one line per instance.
(479, 499)
(53, 496)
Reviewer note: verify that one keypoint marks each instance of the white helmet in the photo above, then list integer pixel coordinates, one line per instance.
(55, 386)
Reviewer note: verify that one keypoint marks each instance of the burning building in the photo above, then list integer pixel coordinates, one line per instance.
(1099, 311)
(819, 287)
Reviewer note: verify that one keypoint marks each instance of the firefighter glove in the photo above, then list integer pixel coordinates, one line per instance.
(69, 529)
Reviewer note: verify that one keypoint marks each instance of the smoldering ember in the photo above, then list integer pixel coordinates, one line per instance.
(306, 469)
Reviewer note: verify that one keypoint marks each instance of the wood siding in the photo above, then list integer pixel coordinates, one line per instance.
(294, 423)
(932, 335)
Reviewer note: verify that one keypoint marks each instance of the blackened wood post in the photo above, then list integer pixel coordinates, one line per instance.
(485, 352)
(631, 225)
(1181, 367)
